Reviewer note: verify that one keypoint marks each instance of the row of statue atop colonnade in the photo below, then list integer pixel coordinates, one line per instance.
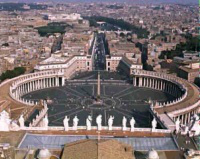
(99, 123)
(6, 123)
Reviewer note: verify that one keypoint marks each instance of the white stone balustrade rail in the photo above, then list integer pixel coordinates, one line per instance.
(39, 117)
(60, 128)
(180, 111)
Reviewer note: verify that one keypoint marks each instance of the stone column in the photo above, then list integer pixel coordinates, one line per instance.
(44, 82)
(31, 86)
(136, 81)
(147, 82)
(49, 85)
(156, 84)
(15, 93)
(50, 80)
(57, 81)
(47, 82)
(34, 85)
(28, 86)
(153, 83)
(63, 81)
(19, 90)
(22, 89)
(182, 119)
(167, 87)
(140, 82)
(174, 90)
(185, 119)
(161, 85)
(150, 80)
(188, 117)
(98, 86)
(170, 89)
(144, 82)
(53, 81)
(164, 86)
(38, 82)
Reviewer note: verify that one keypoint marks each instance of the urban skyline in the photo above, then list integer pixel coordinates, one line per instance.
(111, 1)
(90, 80)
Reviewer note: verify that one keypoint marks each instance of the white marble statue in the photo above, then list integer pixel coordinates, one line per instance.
(152, 106)
(154, 124)
(45, 122)
(75, 123)
(4, 121)
(196, 126)
(45, 103)
(66, 123)
(21, 121)
(177, 125)
(110, 122)
(124, 121)
(186, 130)
(132, 123)
(89, 122)
(99, 122)
(14, 126)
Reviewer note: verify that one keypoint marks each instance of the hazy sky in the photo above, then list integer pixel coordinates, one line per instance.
(134, 1)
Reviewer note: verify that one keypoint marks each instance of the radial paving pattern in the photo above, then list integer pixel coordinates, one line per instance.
(119, 99)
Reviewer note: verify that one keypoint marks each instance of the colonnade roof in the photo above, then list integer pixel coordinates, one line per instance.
(13, 106)
(191, 98)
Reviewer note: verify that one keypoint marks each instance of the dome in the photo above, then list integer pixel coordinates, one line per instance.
(153, 154)
(44, 154)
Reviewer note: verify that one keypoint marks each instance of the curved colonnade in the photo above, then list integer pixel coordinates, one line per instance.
(187, 100)
(36, 81)
(183, 107)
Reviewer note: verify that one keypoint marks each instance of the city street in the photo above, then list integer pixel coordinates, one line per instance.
(100, 53)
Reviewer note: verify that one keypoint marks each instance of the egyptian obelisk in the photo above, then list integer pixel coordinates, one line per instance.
(98, 86)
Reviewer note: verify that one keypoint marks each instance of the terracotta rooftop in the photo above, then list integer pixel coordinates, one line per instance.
(189, 70)
(102, 149)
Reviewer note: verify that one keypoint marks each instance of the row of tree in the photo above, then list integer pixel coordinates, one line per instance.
(141, 33)
(19, 6)
(51, 28)
(12, 73)
(192, 44)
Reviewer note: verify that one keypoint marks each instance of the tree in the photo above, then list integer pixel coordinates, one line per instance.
(12, 73)
(192, 44)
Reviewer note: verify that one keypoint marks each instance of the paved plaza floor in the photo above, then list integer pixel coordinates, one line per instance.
(117, 99)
